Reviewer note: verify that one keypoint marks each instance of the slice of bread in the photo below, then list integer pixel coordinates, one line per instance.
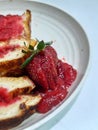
(16, 85)
(11, 56)
(13, 114)
(16, 100)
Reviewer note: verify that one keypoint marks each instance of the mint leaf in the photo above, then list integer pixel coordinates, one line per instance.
(41, 45)
(27, 61)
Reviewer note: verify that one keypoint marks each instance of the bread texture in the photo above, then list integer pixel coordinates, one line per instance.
(19, 104)
(16, 99)
(26, 23)
(17, 85)
(13, 57)
(13, 114)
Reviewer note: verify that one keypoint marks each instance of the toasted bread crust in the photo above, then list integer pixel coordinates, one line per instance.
(25, 110)
(20, 91)
(12, 122)
(17, 86)
(26, 22)
(12, 67)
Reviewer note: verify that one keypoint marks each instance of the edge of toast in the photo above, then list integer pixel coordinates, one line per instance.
(26, 109)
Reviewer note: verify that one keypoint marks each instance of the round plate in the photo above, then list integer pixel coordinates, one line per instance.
(49, 23)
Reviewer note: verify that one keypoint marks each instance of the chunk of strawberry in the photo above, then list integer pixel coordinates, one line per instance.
(42, 68)
(36, 73)
(49, 66)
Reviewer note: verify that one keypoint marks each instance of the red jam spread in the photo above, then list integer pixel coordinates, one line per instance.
(6, 49)
(52, 77)
(5, 98)
(10, 27)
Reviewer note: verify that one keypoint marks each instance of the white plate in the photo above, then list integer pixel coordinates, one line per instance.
(50, 23)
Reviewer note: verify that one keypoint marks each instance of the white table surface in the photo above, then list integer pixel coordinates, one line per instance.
(83, 115)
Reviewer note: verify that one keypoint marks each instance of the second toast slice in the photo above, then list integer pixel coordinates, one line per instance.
(14, 86)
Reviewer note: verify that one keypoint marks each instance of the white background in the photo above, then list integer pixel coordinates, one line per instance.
(83, 115)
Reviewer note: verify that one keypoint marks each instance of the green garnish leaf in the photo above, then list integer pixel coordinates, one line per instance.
(34, 50)
(41, 45)
(27, 61)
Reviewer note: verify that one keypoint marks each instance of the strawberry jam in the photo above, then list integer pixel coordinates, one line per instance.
(5, 98)
(50, 99)
(10, 27)
(52, 76)
(6, 49)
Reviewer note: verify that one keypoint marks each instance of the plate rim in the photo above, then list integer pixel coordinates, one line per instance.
(80, 86)
(87, 71)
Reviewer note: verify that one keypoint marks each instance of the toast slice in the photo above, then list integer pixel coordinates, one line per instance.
(12, 42)
(16, 100)
(13, 114)
(14, 86)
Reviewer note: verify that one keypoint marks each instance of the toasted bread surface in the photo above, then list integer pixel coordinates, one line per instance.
(12, 67)
(26, 23)
(17, 85)
(13, 114)
(10, 63)
(11, 59)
